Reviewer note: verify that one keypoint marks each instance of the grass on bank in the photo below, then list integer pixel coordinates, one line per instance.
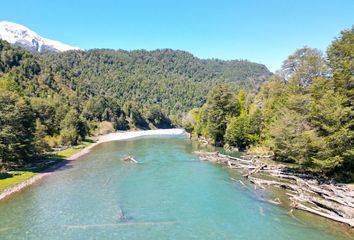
(12, 178)
(15, 177)
(62, 154)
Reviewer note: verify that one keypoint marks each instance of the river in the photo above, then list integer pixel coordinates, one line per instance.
(169, 195)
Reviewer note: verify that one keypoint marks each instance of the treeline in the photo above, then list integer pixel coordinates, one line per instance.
(303, 114)
(56, 100)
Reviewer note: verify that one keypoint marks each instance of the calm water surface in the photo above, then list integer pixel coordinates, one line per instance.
(170, 195)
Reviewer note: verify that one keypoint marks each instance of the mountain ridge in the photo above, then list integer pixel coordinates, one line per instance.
(24, 37)
(175, 80)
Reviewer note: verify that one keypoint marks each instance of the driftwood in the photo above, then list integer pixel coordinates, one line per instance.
(263, 182)
(260, 156)
(300, 206)
(275, 201)
(235, 158)
(130, 159)
(255, 170)
(335, 202)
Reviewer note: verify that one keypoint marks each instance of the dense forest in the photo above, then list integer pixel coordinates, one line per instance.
(56, 100)
(303, 114)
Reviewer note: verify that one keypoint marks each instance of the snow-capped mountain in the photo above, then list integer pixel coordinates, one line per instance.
(21, 36)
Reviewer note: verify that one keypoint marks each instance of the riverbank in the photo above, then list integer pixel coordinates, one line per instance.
(117, 136)
(23, 183)
(19, 176)
(326, 199)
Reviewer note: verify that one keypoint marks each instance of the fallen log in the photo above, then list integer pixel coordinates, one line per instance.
(327, 200)
(235, 158)
(130, 159)
(205, 153)
(257, 169)
(274, 183)
(276, 201)
(242, 183)
(348, 221)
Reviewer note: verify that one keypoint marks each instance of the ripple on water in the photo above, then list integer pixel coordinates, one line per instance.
(171, 195)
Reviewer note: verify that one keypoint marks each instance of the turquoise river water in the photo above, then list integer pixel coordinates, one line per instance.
(169, 195)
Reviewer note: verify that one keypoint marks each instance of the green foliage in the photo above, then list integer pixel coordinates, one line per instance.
(62, 95)
(45, 110)
(93, 109)
(40, 142)
(201, 118)
(73, 128)
(244, 130)
(303, 66)
(314, 125)
(220, 105)
(69, 136)
(189, 120)
(15, 178)
(175, 80)
(120, 123)
(237, 132)
(8, 84)
(341, 55)
(105, 128)
(17, 127)
(291, 137)
(303, 114)
(156, 117)
(241, 102)
(67, 152)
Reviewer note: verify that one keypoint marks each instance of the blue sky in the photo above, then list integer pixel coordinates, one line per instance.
(258, 30)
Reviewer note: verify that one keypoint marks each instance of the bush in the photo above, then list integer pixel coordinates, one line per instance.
(238, 132)
(120, 123)
(105, 128)
(259, 150)
(53, 141)
(69, 137)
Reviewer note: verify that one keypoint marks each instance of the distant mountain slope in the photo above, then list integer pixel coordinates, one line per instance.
(21, 36)
(174, 79)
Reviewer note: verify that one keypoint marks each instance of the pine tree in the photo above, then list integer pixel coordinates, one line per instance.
(220, 105)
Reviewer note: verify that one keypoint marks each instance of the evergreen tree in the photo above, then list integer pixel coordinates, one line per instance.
(40, 134)
(16, 129)
(237, 132)
(73, 128)
(241, 102)
(220, 105)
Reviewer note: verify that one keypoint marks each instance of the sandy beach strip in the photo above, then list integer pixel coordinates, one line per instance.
(102, 139)
(127, 135)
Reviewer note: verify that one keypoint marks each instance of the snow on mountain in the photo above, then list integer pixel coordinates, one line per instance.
(20, 35)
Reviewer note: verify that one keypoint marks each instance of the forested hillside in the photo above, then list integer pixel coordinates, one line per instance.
(55, 100)
(302, 115)
(175, 80)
